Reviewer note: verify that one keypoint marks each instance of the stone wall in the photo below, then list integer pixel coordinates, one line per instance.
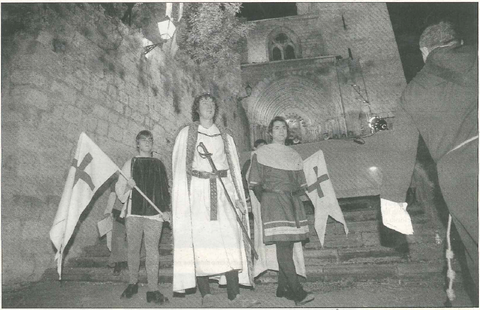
(68, 68)
(331, 29)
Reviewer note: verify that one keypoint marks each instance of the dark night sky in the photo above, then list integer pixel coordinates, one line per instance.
(408, 21)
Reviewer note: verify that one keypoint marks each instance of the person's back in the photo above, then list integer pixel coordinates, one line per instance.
(441, 105)
(442, 98)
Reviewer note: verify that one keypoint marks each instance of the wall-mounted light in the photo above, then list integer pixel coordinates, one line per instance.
(248, 91)
(166, 28)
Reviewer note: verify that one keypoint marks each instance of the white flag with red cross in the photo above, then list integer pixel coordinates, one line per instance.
(90, 169)
(321, 193)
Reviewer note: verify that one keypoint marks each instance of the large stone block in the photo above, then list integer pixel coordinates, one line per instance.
(28, 77)
(112, 90)
(113, 118)
(102, 127)
(73, 115)
(35, 230)
(101, 112)
(74, 81)
(115, 132)
(137, 117)
(119, 107)
(68, 94)
(122, 96)
(31, 96)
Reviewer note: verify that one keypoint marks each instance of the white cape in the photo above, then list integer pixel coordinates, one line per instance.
(183, 252)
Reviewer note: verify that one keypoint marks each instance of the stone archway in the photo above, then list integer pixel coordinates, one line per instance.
(306, 93)
(315, 91)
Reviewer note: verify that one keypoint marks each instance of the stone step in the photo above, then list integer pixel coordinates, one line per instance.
(350, 272)
(166, 261)
(313, 257)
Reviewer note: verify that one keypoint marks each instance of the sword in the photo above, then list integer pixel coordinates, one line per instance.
(208, 155)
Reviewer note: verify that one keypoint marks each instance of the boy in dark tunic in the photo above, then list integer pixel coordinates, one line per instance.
(149, 175)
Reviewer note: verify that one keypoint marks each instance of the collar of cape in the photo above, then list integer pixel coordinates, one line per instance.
(191, 149)
(279, 156)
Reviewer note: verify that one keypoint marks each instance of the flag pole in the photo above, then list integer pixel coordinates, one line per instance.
(144, 196)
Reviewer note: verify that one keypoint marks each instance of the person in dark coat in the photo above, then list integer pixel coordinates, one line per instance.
(441, 104)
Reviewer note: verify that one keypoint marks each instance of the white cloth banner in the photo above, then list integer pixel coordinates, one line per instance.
(89, 170)
(321, 193)
(396, 217)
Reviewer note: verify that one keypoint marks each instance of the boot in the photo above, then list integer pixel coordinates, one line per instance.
(131, 290)
(303, 297)
(156, 297)
(242, 302)
(282, 291)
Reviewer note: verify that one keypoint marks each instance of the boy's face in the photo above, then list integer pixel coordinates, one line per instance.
(279, 132)
(206, 108)
(145, 144)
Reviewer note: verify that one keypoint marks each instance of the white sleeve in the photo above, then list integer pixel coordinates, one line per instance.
(121, 186)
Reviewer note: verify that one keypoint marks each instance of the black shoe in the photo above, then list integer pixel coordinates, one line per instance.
(284, 292)
(117, 269)
(131, 290)
(156, 297)
(308, 298)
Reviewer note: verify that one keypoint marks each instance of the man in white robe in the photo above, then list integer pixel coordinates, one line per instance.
(208, 240)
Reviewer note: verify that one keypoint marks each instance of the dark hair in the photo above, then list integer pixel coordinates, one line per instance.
(196, 105)
(278, 119)
(258, 142)
(143, 133)
(438, 34)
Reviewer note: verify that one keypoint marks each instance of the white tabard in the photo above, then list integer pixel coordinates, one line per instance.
(203, 247)
(217, 243)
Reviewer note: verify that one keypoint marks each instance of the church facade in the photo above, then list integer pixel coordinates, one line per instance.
(327, 70)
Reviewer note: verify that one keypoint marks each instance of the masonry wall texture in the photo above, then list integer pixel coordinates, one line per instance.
(331, 29)
(73, 69)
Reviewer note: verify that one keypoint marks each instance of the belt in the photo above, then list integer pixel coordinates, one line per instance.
(212, 176)
(209, 175)
(295, 202)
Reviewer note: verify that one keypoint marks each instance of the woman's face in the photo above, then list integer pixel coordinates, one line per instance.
(279, 132)
(206, 109)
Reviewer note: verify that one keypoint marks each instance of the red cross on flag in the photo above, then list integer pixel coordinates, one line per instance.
(321, 193)
(89, 170)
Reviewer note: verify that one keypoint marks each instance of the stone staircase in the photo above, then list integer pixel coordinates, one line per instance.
(369, 252)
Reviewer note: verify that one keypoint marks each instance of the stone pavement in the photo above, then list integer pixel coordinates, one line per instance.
(381, 293)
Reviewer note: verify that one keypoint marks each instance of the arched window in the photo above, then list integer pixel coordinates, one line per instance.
(276, 54)
(282, 45)
(289, 52)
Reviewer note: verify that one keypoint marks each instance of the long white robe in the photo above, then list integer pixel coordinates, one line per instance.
(203, 247)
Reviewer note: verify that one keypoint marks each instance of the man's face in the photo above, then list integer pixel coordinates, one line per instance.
(145, 144)
(206, 109)
(279, 132)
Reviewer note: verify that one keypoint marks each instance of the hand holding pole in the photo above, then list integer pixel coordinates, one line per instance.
(144, 196)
